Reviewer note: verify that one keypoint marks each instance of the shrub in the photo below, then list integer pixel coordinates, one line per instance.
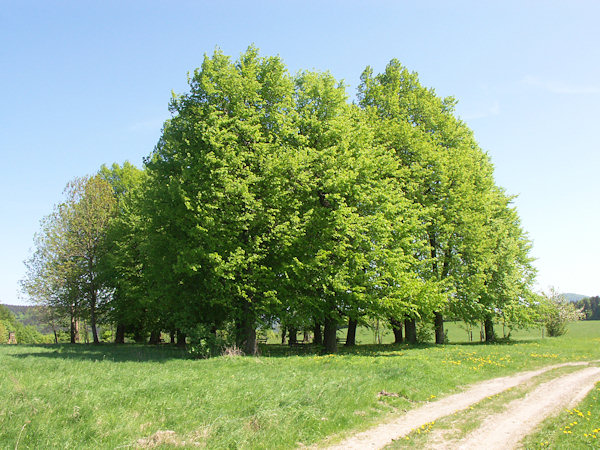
(3, 333)
(557, 312)
(204, 343)
(107, 335)
(424, 332)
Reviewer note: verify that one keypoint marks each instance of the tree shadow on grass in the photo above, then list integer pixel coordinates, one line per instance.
(105, 352)
(379, 350)
(392, 350)
(163, 353)
(497, 342)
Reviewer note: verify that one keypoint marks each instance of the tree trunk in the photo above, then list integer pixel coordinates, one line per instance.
(246, 331)
(250, 345)
(172, 336)
(438, 322)
(489, 330)
(120, 334)
(93, 316)
(351, 335)
(139, 336)
(283, 333)
(293, 338)
(55, 337)
(330, 336)
(318, 335)
(74, 327)
(181, 339)
(154, 338)
(410, 325)
(397, 329)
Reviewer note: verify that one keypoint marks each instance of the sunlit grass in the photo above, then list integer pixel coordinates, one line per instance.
(105, 397)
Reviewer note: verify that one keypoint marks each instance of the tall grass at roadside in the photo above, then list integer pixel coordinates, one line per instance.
(64, 396)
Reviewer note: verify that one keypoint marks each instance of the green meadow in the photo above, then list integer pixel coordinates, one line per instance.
(106, 396)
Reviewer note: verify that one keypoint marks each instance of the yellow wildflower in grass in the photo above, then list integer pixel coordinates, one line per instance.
(544, 355)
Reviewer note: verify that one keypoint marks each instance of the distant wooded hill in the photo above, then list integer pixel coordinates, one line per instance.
(574, 297)
(29, 316)
(590, 306)
(25, 334)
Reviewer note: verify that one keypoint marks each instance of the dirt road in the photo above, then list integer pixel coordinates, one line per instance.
(502, 430)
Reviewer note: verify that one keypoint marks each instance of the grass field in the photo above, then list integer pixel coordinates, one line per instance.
(63, 396)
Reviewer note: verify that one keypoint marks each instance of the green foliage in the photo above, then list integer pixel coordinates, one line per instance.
(220, 223)
(36, 316)
(121, 267)
(62, 273)
(424, 332)
(5, 313)
(271, 199)
(25, 334)
(3, 333)
(471, 248)
(590, 306)
(204, 342)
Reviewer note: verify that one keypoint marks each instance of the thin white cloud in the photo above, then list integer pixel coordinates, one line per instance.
(147, 125)
(493, 110)
(560, 88)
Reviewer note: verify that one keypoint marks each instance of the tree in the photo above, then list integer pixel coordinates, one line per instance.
(590, 306)
(270, 199)
(445, 174)
(63, 271)
(267, 199)
(91, 206)
(52, 273)
(506, 265)
(215, 215)
(352, 257)
(121, 267)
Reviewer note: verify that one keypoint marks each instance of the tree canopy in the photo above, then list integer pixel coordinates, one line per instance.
(270, 198)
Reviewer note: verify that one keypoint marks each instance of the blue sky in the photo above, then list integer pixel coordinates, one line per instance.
(86, 83)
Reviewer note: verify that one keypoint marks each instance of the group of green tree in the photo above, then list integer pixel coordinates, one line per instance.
(590, 307)
(271, 198)
(24, 334)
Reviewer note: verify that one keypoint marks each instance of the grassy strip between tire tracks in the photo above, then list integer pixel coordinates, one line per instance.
(458, 425)
(106, 397)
